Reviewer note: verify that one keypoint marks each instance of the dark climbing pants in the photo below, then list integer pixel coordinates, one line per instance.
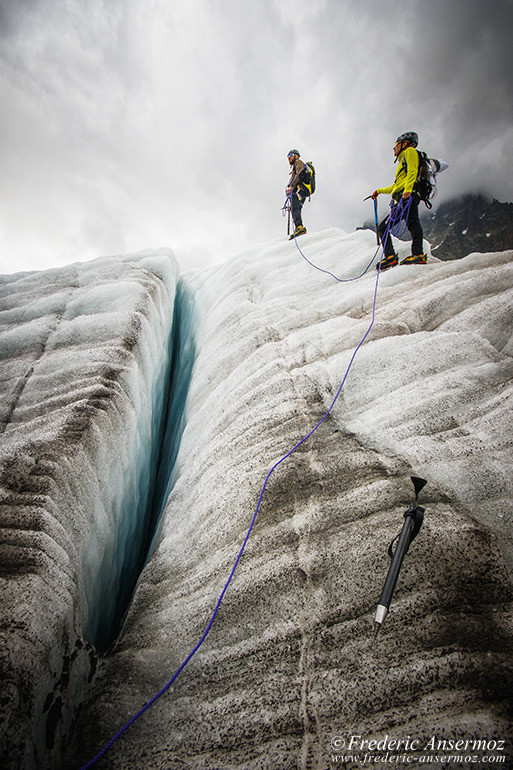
(413, 225)
(296, 204)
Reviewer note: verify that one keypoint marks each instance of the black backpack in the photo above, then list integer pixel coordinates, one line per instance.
(307, 177)
(425, 186)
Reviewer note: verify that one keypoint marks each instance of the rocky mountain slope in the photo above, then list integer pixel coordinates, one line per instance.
(467, 224)
(472, 223)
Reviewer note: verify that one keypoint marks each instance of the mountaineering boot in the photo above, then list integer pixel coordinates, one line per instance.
(387, 262)
(420, 259)
(300, 230)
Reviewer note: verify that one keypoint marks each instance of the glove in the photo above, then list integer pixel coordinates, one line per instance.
(374, 194)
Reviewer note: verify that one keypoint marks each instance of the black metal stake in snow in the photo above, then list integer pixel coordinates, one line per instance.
(413, 519)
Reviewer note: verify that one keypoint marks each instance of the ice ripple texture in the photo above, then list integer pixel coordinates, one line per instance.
(84, 359)
(290, 662)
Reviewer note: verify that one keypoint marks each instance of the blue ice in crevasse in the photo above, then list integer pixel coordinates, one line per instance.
(144, 500)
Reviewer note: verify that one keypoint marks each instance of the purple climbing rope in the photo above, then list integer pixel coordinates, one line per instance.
(398, 211)
(392, 220)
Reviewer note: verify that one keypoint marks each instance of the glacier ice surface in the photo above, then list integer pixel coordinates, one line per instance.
(84, 367)
(260, 346)
(289, 661)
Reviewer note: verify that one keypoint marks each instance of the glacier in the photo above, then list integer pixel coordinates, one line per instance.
(143, 409)
(85, 358)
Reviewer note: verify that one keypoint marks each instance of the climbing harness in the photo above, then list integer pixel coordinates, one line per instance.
(125, 727)
(413, 519)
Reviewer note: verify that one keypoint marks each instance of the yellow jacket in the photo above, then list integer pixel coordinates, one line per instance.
(406, 174)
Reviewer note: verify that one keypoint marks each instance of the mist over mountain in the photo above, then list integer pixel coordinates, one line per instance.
(473, 222)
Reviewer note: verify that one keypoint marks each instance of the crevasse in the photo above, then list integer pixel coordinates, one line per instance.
(122, 563)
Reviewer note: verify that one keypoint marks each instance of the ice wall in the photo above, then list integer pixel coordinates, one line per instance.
(290, 665)
(85, 356)
(182, 356)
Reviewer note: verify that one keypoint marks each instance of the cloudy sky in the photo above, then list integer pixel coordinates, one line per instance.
(133, 124)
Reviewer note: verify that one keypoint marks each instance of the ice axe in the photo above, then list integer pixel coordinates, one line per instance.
(286, 208)
(375, 214)
(413, 519)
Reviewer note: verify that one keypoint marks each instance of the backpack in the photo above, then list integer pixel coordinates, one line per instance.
(307, 177)
(425, 186)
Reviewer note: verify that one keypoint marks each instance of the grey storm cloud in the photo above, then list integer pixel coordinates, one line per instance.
(126, 125)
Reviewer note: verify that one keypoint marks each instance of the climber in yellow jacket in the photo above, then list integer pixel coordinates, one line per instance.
(407, 158)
